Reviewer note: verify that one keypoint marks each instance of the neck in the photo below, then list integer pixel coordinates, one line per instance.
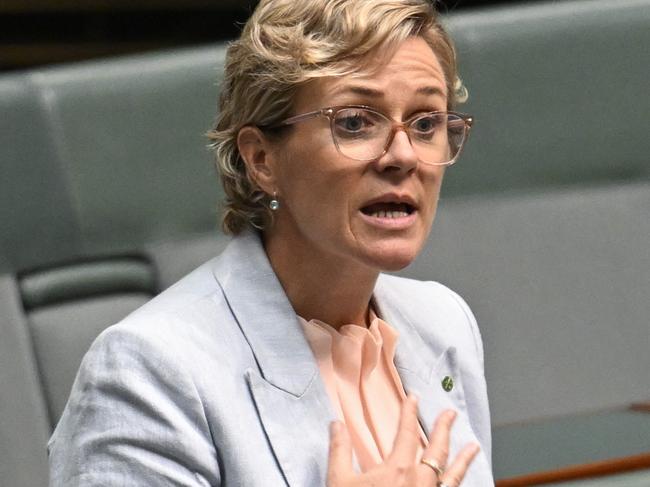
(320, 286)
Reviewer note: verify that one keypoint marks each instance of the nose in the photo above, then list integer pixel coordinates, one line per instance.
(400, 155)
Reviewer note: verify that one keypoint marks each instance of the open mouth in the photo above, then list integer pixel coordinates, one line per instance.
(388, 210)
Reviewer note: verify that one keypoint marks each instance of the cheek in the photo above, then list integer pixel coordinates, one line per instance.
(432, 183)
(322, 195)
(315, 184)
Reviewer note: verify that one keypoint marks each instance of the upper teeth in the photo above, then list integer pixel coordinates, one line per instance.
(389, 214)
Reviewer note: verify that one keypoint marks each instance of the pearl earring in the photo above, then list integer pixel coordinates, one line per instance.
(274, 204)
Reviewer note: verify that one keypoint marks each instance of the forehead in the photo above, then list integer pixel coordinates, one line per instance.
(413, 70)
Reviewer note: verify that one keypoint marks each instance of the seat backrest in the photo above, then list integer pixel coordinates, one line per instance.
(24, 425)
(108, 195)
(559, 92)
(543, 225)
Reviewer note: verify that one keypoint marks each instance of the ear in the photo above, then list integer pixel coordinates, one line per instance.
(255, 149)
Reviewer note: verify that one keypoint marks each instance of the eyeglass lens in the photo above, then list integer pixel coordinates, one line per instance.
(363, 135)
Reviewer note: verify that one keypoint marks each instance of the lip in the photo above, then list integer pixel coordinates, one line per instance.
(400, 223)
(393, 198)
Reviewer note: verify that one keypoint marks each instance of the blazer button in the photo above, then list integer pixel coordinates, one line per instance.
(447, 383)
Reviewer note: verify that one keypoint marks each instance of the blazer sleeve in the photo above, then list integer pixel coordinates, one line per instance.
(134, 417)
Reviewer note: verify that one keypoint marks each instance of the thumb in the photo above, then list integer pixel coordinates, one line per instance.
(340, 457)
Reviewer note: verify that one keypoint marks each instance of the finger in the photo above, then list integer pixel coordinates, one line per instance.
(438, 448)
(340, 455)
(407, 439)
(456, 471)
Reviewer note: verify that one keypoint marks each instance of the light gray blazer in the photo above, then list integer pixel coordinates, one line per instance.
(213, 383)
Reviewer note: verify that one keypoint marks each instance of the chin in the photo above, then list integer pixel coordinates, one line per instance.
(396, 264)
(391, 258)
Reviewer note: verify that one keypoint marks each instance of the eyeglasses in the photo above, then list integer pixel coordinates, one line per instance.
(364, 134)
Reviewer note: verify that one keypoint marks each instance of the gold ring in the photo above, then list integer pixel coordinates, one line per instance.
(434, 465)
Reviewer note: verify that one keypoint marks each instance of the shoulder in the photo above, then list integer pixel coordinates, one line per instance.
(142, 383)
(195, 287)
(136, 390)
(429, 294)
(187, 326)
(435, 310)
(168, 332)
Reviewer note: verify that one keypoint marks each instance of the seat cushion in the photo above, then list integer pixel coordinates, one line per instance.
(24, 423)
(63, 333)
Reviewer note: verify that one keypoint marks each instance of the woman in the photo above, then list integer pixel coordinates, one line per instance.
(332, 141)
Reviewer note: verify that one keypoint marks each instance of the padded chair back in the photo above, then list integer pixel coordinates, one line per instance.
(559, 92)
(108, 195)
(544, 223)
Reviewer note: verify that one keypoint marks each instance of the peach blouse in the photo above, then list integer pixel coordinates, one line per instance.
(356, 364)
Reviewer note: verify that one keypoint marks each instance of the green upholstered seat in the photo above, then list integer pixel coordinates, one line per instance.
(107, 196)
(559, 92)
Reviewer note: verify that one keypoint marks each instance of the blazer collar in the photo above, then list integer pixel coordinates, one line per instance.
(421, 366)
(412, 353)
(287, 390)
(265, 315)
(275, 335)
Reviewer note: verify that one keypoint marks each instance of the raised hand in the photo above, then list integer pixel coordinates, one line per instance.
(402, 467)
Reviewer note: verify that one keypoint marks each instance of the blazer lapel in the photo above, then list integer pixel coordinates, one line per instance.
(422, 368)
(418, 365)
(288, 391)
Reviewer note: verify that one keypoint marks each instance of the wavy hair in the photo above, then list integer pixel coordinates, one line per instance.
(286, 43)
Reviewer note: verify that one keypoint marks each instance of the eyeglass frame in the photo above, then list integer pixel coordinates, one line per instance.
(330, 113)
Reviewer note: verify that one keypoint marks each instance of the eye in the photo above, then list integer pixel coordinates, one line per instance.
(427, 125)
(352, 122)
(424, 124)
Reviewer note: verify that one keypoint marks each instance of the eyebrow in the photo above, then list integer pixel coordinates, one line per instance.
(361, 90)
(430, 90)
(372, 93)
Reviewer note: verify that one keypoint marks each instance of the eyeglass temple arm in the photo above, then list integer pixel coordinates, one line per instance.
(305, 116)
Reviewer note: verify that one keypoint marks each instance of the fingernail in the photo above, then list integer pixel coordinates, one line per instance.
(475, 448)
(452, 414)
(412, 397)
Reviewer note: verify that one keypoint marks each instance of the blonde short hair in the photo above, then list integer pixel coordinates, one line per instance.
(286, 43)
